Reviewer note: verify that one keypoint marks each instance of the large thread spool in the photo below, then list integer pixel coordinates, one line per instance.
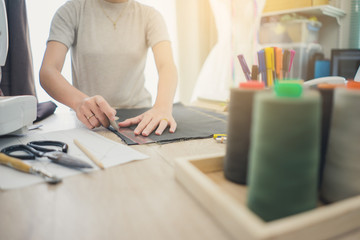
(342, 170)
(238, 132)
(284, 152)
(327, 95)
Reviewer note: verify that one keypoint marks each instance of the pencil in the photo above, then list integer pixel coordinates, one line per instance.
(89, 154)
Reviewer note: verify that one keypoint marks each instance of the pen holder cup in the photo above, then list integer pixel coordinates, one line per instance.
(284, 154)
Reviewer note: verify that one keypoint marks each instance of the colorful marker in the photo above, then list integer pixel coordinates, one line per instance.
(244, 67)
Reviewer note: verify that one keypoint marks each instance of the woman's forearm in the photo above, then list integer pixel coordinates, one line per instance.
(59, 88)
(166, 86)
(167, 75)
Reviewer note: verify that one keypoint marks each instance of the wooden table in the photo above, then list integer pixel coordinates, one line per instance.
(137, 200)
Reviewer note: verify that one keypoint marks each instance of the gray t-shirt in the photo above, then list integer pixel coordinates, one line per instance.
(105, 60)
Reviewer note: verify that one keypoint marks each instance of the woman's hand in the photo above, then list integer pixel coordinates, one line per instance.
(160, 116)
(95, 112)
(150, 120)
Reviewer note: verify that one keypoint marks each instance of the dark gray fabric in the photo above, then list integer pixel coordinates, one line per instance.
(17, 74)
(44, 110)
(192, 123)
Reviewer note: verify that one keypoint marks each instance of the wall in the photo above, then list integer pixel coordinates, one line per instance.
(345, 24)
(39, 25)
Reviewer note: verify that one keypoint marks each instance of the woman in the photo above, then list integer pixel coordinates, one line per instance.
(109, 40)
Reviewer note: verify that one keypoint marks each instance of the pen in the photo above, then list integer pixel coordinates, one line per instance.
(274, 70)
(262, 66)
(274, 64)
(279, 63)
(292, 55)
(286, 63)
(244, 67)
(269, 60)
(89, 154)
(254, 72)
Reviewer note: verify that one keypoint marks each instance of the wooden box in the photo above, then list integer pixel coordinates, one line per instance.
(279, 5)
(320, 2)
(203, 177)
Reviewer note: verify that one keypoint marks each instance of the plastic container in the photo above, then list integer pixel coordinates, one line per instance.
(303, 54)
(354, 40)
(294, 31)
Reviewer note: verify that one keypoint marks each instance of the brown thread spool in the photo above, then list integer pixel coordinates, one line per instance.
(327, 92)
(238, 133)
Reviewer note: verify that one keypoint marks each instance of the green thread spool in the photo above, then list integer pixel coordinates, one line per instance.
(284, 154)
(342, 169)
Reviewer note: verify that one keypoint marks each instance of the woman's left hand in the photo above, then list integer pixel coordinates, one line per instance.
(151, 120)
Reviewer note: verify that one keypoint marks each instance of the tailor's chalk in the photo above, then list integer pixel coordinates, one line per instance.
(114, 124)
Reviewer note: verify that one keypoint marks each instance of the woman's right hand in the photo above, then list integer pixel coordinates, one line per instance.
(92, 111)
(95, 112)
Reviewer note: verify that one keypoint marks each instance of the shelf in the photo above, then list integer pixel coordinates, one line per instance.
(320, 10)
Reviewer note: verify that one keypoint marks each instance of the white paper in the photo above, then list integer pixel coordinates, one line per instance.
(109, 152)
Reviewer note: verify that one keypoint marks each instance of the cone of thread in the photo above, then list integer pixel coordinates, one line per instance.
(342, 170)
(238, 134)
(284, 154)
(327, 94)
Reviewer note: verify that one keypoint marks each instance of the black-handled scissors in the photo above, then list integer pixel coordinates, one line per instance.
(56, 151)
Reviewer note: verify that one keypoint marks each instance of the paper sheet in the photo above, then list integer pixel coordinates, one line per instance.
(110, 153)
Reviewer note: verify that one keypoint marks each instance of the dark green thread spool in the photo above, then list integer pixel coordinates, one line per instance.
(284, 153)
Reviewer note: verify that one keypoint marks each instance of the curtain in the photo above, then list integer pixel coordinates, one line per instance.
(197, 35)
(236, 23)
(17, 74)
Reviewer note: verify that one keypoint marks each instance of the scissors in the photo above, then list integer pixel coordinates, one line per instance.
(55, 151)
